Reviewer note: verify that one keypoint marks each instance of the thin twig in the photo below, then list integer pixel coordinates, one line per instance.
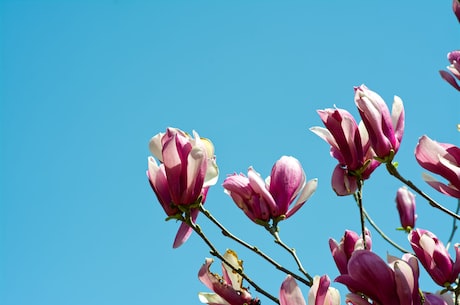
(256, 250)
(389, 240)
(394, 172)
(359, 201)
(292, 252)
(454, 226)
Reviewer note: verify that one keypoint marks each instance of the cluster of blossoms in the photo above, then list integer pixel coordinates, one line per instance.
(361, 147)
(183, 167)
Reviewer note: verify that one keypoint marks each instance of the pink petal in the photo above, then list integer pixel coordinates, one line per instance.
(450, 79)
(258, 185)
(182, 235)
(290, 293)
(441, 187)
(223, 289)
(397, 117)
(185, 231)
(318, 291)
(342, 183)
(159, 184)
(308, 190)
(156, 146)
(405, 282)
(196, 172)
(364, 269)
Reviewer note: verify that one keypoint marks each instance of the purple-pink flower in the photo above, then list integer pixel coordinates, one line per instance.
(290, 293)
(342, 251)
(183, 175)
(372, 281)
(319, 294)
(385, 130)
(350, 145)
(405, 203)
(271, 199)
(442, 159)
(227, 289)
(456, 8)
(434, 257)
(453, 74)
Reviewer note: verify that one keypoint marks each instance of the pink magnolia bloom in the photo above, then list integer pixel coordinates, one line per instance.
(271, 199)
(183, 175)
(381, 283)
(350, 242)
(453, 74)
(442, 159)
(385, 130)
(456, 8)
(290, 293)
(434, 256)
(228, 289)
(405, 203)
(351, 147)
(321, 294)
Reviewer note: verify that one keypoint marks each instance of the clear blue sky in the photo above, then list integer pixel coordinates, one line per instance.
(85, 84)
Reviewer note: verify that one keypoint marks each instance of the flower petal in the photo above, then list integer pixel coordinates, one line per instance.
(290, 293)
(211, 299)
(308, 190)
(230, 276)
(156, 146)
(258, 185)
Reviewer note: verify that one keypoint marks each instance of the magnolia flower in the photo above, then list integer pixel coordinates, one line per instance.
(183, 175)
(350, 242)
(372, 281)
(321, 294)
(228, 289)
(442, 159)
(453, 73)
(290, 293)
(434, 256)
(385, 130)
(456, 8)
(350, 146)
(405, 203)
(271, 199)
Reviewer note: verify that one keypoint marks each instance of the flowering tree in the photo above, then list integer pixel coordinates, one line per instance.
(183, 167)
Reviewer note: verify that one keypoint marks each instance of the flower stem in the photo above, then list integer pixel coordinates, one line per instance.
(389, 240)
(454, 226)
(292, 252)
(216, 253)
(254, 249)
(359, 201)
(394, 172)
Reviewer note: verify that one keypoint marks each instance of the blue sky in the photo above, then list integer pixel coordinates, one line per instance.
(85, 84)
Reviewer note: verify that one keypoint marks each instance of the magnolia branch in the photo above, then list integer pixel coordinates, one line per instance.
(256, 250)
(384, 236)
(359, 200)
(394, 172)
(293, 253)
(454, 226)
